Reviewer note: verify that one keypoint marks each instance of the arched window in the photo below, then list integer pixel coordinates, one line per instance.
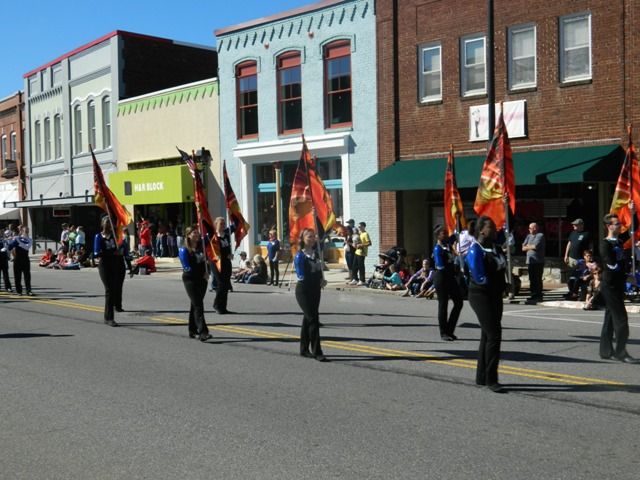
(289, 77)
(57, 135)
(106, 122)
(47, 139)
(337, 72)
(38, 142)
(247, 99)
(77, 126)
(91, 123)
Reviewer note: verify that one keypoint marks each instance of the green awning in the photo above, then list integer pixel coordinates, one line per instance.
(568, 165)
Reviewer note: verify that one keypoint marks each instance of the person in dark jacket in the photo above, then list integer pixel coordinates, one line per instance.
(308, 267)
(446, 285)
(112, 267)
(194, 278)
(222, 236)
(487, 266)
(612, 290)
(21, 244)
(4, 262)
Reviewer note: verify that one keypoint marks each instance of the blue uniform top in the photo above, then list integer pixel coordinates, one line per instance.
(308, 268)
(193, 263)
(104, 246)
(442, 257)
(273, 247)
(486, 265)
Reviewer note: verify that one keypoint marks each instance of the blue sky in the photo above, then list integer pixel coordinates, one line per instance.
(47, 29)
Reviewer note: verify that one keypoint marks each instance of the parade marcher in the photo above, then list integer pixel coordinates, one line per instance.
(111, 268)
(310, 282)
(222, 235)
(612, 289)
(487, 266)
(194, 278)
(21, 244)
(273, 254)
(533, 246)
(4, 263)
(446, 285)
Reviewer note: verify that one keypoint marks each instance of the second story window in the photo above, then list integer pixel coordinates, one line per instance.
(575, 48)
(56, 75)
(14, 147)
(247, 99)
(57, 135)
(38, 142)
(430, 72)
(106, 122)
(3, 150)
(91, 122)
(289, 93)
(47, 139)
(522, 57)
(77, 127)
(473, 65)
(337, 71)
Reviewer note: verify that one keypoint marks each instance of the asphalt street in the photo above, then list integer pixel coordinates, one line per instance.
(81, 400)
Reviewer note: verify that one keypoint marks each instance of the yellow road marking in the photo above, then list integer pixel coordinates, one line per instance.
(353, 347)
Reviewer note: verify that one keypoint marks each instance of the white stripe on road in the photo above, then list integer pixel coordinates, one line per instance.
(572, 320)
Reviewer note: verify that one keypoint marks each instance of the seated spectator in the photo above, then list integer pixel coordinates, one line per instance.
(420, 284)
(60, 258)
(47, 258)
(70, 263)
(594, 298)
(146, 263)
(580, 277)
(242, 274)
(241, 264)
(258, 273)
(393, 281)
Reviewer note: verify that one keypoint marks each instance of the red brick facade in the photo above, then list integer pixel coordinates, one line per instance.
(585, 113)
(11, 121)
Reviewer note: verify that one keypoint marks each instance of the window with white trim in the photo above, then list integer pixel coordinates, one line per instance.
(57, 135)
(38, 142)
(522, 56)
(14, 147)
(56, 75)
(575, 48)
(3, 150)
(473, 65)
(430, 62)
(106, 122)
(91, 121)
(47, 139)
(77, 126)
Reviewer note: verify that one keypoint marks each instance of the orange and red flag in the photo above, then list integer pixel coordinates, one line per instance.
(207, 229)
(628, 186)
(497, 178)
(107, 201)
(454, 218)
(235, 216)
(322, 201)
(301, 205)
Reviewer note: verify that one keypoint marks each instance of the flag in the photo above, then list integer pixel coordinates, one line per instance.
(453, 209)
(493, 185)
(207, 229)
(300, 205)
(628, 186)
(107, 201)
(322, 202)
(235, 216)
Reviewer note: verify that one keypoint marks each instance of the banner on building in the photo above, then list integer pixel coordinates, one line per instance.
(515, 118)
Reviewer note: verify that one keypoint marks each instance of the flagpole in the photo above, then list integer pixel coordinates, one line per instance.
(200, 225)
(633, 209)
(313, 208)
(505, 199)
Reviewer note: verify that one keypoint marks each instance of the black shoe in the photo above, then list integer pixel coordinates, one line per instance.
(111, 323)
(19, 294)
(531, 301)
(306, 354)
(30, 293)
(119, 309)
(192, 335)
(204, 337)
(321, 358)
(446, 338)
(604, 357)
(497, 388)
(481, 383)
(627, 359)
(453, 337)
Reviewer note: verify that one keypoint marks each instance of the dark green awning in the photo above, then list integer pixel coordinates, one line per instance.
(568, 165)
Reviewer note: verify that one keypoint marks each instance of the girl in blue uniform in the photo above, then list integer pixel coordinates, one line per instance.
(310, 282)
(194, 278)
(487, 266)
(444, 280)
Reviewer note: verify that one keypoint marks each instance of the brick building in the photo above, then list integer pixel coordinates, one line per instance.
(569, 75)
(11, 147)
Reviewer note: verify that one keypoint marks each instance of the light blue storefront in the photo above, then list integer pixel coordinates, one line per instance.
(310, 70)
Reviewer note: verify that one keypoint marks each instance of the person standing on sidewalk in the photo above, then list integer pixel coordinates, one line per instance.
(310, 282)
(612, 289)
(273, 254)
(111, 269)
(487, 266)
(447, 287)
(21, 244)
(194, 278)
(4, 262)
(362, 249)
(579, 242)
(533, 246)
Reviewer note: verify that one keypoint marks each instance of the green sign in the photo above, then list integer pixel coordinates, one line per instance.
(149, 186)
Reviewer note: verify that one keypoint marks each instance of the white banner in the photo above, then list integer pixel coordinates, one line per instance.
(514, 117)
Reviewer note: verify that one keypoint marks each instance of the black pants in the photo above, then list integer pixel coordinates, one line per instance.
(358, 268)
(21, 266)
(487, 306)
(447, 288)
(349, 258)
(615, 320)
(223, 285)
(535, 279)
(4, 270)
(274, 272)
(196, 289)
(308, 297)
(111, 270)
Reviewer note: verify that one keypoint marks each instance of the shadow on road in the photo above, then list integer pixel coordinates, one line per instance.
(526, 387)
(30, 335)
(521, 357)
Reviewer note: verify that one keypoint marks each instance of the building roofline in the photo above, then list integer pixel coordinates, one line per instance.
(278, 16)
(9, 97)
(104, 38)
(211, 80)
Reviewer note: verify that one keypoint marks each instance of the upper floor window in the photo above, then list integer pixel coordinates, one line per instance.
(34, 84)
(47, 139)
(14, 147)
(56, 75)
(77, 127)
(430, 72)
(106, 122)
(575, 47)
(57, 135)
(247, 99)
(522, 57)
(3, 150)
(38, 142)
(473, 65)
(337, 71)
(91, 123)
(289, 93)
